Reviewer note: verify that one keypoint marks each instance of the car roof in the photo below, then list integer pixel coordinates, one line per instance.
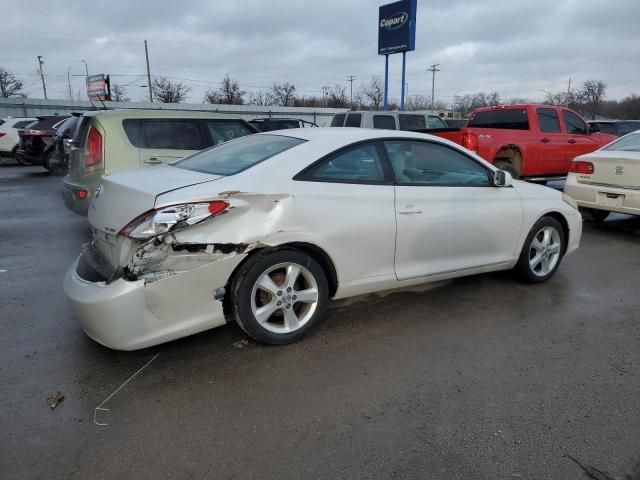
(347, 133)
(141, 113)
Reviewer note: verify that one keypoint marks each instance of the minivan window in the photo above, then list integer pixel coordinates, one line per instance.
(353, 120)
(508, 119)
(386, 122)
(338, 120)
(172, 134)
(411, 122)
(237, 155)
(223, 131)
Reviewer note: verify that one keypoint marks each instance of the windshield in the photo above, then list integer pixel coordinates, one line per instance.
(628, 143)
(237, 155)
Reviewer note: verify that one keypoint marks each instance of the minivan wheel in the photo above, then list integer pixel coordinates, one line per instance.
(277, 297)
(597, 215)
(542, 251)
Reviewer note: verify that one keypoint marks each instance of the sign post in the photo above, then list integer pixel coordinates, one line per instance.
(396, 33)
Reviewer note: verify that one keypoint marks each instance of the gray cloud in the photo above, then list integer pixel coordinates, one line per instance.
(515, 47)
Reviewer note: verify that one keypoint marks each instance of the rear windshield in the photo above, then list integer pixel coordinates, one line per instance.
(510, 119)
(237, 155)
(629, 143)
(338, 120)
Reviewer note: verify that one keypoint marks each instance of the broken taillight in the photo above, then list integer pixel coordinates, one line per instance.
(172, 218)
(93, 148)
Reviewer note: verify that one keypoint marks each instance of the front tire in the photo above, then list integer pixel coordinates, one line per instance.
(278, 296)
(542, 251)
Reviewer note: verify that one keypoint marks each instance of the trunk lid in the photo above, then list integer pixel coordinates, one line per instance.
(613, 168)
(128, 194)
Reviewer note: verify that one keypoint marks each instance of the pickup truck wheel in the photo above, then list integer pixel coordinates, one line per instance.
(508, 167)
(542, 251)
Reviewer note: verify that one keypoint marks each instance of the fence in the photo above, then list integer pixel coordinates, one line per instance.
(33, 107)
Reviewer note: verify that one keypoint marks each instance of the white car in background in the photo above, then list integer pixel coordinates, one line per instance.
(265, 229)
(9, 134)
(607, 180)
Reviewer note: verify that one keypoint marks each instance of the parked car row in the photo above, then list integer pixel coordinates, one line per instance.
(9, 138)
(411, 121)
(618, 128)
(198, 219)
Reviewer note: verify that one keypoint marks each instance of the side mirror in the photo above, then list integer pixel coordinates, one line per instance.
(593, 128)
(502, 178)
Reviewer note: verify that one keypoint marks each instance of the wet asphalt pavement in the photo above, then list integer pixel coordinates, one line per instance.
(478, 378)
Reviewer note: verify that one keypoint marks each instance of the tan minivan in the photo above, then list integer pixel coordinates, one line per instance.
(109, 140)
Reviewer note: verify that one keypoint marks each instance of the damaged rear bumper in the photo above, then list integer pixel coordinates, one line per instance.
(129, 315)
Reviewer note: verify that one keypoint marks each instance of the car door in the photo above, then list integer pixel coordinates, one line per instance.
(553, 143)
(346, 201)
(165, 140)
(449, 215)
(579, 141)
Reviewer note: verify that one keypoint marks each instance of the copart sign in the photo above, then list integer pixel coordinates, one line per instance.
(397, 27)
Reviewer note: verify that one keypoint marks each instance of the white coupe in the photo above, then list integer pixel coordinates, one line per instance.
(265, 229)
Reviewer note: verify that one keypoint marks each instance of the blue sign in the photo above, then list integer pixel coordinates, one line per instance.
(397, 27)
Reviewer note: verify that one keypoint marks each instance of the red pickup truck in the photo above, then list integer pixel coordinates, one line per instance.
(535, 142)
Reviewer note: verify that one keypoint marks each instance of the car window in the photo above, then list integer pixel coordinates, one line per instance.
(387, 122)
(338, 120)
(628, 127)
(172, 134)
(353, 120)
(426, 163)
(223, 131)
(548, 120)
(508, 119)
(237, 155)
(411, 122)
(606, 127)
(573, 123)
(22, 123)
(358, 164)
(436, 122)
(628, 143)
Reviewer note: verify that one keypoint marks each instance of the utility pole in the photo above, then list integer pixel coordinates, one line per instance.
(433, 69)
(568, 93)
(69, 82)
(146, 54)
(351, 78)
(44, 86)
(325, 92)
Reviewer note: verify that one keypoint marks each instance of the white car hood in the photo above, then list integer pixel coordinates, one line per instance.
(127, 194)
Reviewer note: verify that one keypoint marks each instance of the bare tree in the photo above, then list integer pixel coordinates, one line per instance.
(119, 94)
(311, 101)
(467, 103)
(229, 93)
(374, 92)
(418, 102)
(591, 95)
(10, 86)
(259, 98)
(337, 97)
(282, 94)
(166, 91)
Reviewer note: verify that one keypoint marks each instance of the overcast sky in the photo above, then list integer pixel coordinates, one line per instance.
(515, 47)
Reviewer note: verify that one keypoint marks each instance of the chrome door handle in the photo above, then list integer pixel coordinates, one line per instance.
(571, 140)
(545, 140)
(153, 160)
(409, 212)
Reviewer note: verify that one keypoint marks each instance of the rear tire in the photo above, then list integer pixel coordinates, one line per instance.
(46, 161)
(508, 167)
(542, 251)
(277, 297)
(596, 215)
